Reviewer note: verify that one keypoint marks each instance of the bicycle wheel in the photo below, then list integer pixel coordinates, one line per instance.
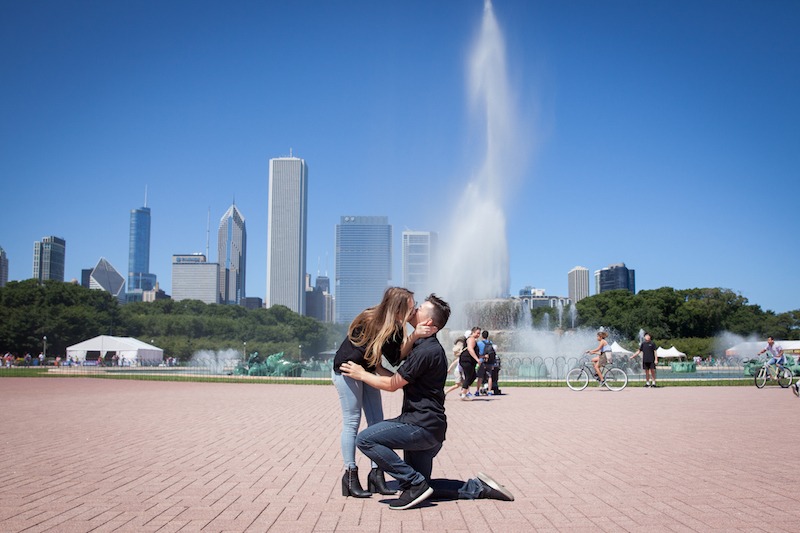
(785, 377)
(761, 377)
(615, 379)
(577, 379)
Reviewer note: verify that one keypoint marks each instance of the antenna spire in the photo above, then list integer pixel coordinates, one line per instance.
(145, 195)
(208, 233)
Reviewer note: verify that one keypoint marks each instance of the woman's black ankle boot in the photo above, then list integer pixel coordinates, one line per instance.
(377, 483)
(351, 486)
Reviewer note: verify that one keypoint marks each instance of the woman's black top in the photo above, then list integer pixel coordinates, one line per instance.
(350, 352)
(465, 358)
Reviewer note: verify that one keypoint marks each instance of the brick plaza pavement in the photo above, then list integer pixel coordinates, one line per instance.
(82, 454)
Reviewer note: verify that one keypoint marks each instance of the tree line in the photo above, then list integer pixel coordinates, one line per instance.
(67, 314)
(687, 318)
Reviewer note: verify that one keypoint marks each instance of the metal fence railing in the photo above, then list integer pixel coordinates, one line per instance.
(515, 370)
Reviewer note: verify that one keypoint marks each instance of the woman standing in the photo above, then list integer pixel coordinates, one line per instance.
(603, 353)
(375, 332)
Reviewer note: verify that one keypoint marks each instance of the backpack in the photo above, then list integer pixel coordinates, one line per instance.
(488, 349)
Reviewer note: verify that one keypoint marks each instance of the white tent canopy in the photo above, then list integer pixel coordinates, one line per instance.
(616, 348)
(132, 350)
(671, 352)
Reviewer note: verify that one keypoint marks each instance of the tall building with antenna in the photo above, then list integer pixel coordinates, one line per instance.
(232, 256)
(139, 277)
(286, 233)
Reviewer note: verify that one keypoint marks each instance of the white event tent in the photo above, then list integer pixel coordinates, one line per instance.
(134, 351)
(671, 352)
(616, 348)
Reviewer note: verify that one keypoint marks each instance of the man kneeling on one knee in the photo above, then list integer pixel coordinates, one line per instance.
(420, 429)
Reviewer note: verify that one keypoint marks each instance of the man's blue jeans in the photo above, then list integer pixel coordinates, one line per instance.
(379, 442)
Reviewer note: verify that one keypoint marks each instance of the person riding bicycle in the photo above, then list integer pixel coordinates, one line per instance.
(603, 352)
(777, 355)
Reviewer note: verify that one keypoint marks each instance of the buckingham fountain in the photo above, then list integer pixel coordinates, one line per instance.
(477, 286)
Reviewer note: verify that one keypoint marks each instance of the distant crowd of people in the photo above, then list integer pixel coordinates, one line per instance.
(475, 360)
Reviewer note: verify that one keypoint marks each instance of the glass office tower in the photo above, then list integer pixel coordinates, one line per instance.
(232, 256)
(419, 259)
(49, 256)
(139, 276)
(363, 264)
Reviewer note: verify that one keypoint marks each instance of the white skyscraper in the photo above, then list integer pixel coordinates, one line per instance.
(578, 283)
(419, 258)
(286, 233)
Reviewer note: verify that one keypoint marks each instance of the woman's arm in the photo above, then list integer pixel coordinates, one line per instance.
(471, 345)
(596, 351)
(425, 329)
(387, 383)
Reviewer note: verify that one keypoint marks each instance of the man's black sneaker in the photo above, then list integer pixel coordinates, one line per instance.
(494, 490)
(654, 386)
(412, 496)
(796, 389)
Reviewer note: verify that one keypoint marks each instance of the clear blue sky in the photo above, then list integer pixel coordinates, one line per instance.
(665, 135)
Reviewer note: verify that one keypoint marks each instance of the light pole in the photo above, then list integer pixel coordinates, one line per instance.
(300, 353)
(44, 340)
(244, 350)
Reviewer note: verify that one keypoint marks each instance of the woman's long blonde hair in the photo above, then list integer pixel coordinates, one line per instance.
(373, 327)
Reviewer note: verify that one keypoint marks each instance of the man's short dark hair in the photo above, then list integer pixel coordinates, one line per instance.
(485, 334)
(441, 311)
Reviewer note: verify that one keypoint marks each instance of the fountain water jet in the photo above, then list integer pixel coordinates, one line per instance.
(479, 222)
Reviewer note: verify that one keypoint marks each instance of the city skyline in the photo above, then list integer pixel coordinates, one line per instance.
(677, 120)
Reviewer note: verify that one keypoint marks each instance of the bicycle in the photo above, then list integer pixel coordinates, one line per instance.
(784, 377)
(614, 378)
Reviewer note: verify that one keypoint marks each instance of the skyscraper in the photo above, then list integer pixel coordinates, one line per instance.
(49, 255)
(286, 233)
(419, 259)
(3, 267)
(139, 276)
(106, 278)
(615, 277)
(319, 301)
(194, 279)
(86, 277)
(363, 264)
(578, 279)
(232, 256)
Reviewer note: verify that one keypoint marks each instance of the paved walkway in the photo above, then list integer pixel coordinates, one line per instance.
(83, 454)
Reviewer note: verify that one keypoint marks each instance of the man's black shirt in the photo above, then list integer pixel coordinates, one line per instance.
(648, 351)
(425, 370)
